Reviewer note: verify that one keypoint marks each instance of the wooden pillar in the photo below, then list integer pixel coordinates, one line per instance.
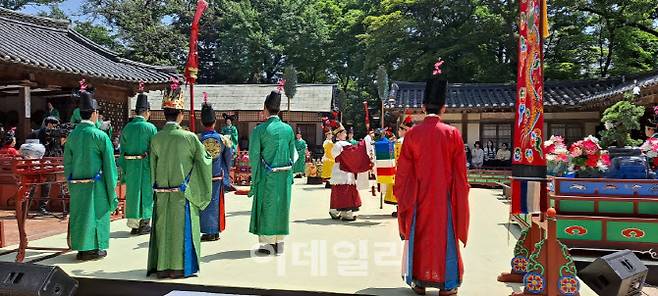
(24, 114)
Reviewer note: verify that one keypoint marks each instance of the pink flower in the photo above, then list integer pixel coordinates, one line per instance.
(605, 158)
(590, 147)
(592, 161)
(576, 151)
(562, 157)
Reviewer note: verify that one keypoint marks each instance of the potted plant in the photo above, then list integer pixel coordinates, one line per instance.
(588, 160)
(619, 120)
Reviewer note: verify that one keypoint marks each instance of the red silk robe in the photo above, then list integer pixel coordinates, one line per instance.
(431, 170)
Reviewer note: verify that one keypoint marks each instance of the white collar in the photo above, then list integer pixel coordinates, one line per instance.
(88, 121)
(273, 116)
(433, 115)
(171, 122)
(142, 117)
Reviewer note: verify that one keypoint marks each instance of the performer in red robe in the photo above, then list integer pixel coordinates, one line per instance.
(432, 191)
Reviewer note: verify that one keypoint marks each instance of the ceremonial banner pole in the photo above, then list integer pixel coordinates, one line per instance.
(540, 260)
(192, 66)
(365, 106)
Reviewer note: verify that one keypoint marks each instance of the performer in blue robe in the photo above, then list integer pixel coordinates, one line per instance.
(213, 217)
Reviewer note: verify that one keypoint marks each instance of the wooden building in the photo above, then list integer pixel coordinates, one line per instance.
(573, 109)
(245, 102)
(42, 60)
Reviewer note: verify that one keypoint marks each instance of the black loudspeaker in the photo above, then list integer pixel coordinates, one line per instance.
(21, 279)
(617, 274)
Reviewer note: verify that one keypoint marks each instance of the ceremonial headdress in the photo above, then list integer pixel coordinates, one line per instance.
(436, 89)
(338, 129)
(273, 100)
(86, 97)
(142, 103)
(173, 96)
(8, 137)
(654, 122)
(227, 117)
(351, 131)
(407, 121)
(299, 131)
(207, 112)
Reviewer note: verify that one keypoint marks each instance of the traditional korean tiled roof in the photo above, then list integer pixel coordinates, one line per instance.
(484, 96)
(250, 97)
(631, 82)
(52, 45)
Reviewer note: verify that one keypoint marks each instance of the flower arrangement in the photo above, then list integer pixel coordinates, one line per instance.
(650, 149)
(557, 156)
(587, 158)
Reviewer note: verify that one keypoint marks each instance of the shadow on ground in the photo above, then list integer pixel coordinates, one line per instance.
(229, 255)
(513, 229)
(328, 221)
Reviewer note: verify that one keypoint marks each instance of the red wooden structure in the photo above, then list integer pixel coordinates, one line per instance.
(30, 174)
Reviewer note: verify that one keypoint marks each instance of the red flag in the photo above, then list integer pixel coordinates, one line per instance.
(192, 66)
(529, 120)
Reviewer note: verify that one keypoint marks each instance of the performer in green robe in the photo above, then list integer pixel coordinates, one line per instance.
(134, 161)
(230, 130)
(300, 165)
(75, 117)
(182, 175)
(271, 155)
(91, 171)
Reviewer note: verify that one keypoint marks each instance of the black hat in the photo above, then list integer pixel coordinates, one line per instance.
(227, 117)
(142, 103)
(8, 137)
(51, 119)
(436, 91)
(87, 100)
(207, 113)
(273, 101)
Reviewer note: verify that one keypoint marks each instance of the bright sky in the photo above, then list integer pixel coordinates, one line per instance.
(70, 7)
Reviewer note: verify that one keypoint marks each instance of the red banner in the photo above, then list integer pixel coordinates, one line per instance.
(529, 118)
(192, 66)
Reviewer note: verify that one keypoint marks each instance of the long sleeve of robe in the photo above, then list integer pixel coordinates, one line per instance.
(431, 187)
(272, 142)
(176, 235)
(88, 152)
(136, 140)
(75, 117)
(300, 164)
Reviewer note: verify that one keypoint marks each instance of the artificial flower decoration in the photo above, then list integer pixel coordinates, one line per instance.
(437, 67)
(557, 156)
(587, 157)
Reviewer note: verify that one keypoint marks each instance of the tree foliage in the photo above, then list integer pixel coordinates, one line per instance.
(345, 41)
(621, 119)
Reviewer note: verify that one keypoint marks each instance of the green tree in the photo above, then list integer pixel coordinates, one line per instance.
(620, 120)
(19, 4)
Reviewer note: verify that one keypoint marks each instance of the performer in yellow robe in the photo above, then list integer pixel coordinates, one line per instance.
(327, 159)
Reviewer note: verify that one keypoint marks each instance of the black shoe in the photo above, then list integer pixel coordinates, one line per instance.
(266, 249)
(163, 274)
(394, 214)
(134, 231)
(43, 212)
(328, 185)
(334, 217)
(210, 237)
(417, 289)
(348, 220)
(91, 255)
(144, 230)
(278, 247)
(230, 189)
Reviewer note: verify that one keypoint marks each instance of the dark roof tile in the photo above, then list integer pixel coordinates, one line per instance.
(52, 45)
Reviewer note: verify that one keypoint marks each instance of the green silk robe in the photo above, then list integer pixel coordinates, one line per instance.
(136, 140)
(75, 117)
(300, 164)
(87, 152)
(231, 131)
(274, 143)
(175, 153)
